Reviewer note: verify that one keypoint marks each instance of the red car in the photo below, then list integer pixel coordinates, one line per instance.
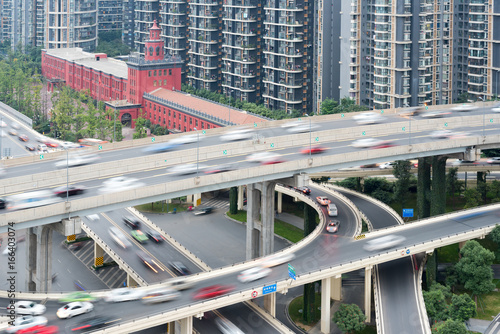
(39, 330)
(23, 138)
(314, 150)
(272, 162)
(213, 291)
(385, 146)
(304, 190)
(323, 200)
(51, 144)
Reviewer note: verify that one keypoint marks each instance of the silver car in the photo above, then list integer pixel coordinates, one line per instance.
(384, 242)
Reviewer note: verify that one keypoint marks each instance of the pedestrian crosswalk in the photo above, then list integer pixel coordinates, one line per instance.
(216, 202)
(112, 276)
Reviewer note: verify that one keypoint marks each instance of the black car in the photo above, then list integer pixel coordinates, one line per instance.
(179, 268)
(3, 203)
(132, 222)
(204, 211)
(91, 324)
(148, 261)
(303, 190)
(72, 190)
(30, 147)
(155, 236)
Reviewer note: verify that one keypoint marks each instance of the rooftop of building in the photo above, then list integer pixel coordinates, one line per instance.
(96, 61)
(208, 107)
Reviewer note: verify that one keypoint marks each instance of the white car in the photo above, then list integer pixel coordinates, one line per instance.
(227, 327)
(73, 309)
(187, 139)
(15, 126)
(241, 134)
(119, 237)
(435, 114)
(304, 127)
(120, 183)
(386, 165)
(261, 156)
(441, 134)
(26, 321)
(26, 307)
(332, 210)
(384, 242)
(77, 160)
(68, 144)
(276, 259)
(368, 118)
(291, 124)
(3, 124)
(367, 142)
(186, 169)
(496, 108)
(123, 295)
(160, 296)
(464, 107)
(253, 274)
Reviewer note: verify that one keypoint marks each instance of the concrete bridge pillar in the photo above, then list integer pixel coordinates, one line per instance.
(131, 283)
(98, 255)
(270, 303)
(38, 258)
(336, 289)
(326, 291)
(171, 328)
(241, 197)
(368, 293)
(253, 222)
(186, 325)
(280, 202)
(267, 213)
(196, 200)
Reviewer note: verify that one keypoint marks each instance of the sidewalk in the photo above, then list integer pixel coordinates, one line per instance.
(477, 325)
(291, 219)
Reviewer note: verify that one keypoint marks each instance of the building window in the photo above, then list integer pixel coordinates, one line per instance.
(150, 115)
(151, 51)
(149, 74)
(169, 113)
(165, 82)
(169, 72)
(157, 50)
(190, 120)
(174, 117)
(154, 74)
(154, 83)
(163, 111)
(180, 117)
(164, 72)
(159, 82)
(168, 123)
(185, 119)
(196, 123)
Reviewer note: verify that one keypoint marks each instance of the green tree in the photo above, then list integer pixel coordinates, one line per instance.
(233, 200)
(453, 184)
(349, 318)
(443, 288)
(401, 171)
(451, 277)
(472, 198)
(327, 106)
(140, 128)
(450, 327)
(435, 304)
(462, 307)
(482, 186)
(462, 98)
(474, 268)
(349, 183)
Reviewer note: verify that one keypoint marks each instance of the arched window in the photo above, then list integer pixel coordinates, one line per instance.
(157, 50)
(151, 51)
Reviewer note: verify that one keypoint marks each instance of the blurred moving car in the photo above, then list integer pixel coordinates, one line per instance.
(261, 156)
(78, 296)
(31, 200)
(119, 237)
(186, 139)
(386, 165)
(68, 145)
(218, 169)
(12, 132)
(412, 111)
(441, 134)
(179, 268)
(155, 236)
(291, 124)
(227, 327)
(435, 114)
(304, 127)
(72, 190)
(132, 222)
(123, 295)
(367, 142)
(15, 125)
(272, 161)
(26, 321)
(314, 150)
(149, 262)
(253, 274)
(23, 138)
(90, 324)
(30, 147)
(332, 226)
(212, 291)
(186, 169)
(368, 118)
(204, 211)
(26, 307)
(277, 259)
(75, 160)
(160, 296)
(73, 309)
(3, 203)
(332, 210)
(180, 283)
(161, 147)
(496, 108)
(240, 134)
(493, 161)
(42, 148)
(304, 190)
(464, 107)
(40, 329)
(323, 200)
(460, 162)
(120, 183)
(139, 236)
(384, 242)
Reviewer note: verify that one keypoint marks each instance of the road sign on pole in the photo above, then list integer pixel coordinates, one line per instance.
(291, 272)
(269, 289)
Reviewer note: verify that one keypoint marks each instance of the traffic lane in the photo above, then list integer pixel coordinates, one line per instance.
(244, 317)
(378, 215)
(163, 251)
(129, 255)
(13, 143)
(399, 309)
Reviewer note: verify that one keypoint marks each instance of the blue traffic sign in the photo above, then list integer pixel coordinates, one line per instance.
(269, 289)
(292, 275)
(407, 213)
(407, 251)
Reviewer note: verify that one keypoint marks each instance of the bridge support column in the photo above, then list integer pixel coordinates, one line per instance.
(38, 258)
(438, 182)
(98, 255)
(326, 287)
(196, 200)
(368, 293)
(280, 202)
(241, 197)
(336, 287)
(253, 220)
(171, 327)
(270, 303)
(267, 204)
(131, 282)
(186, 325)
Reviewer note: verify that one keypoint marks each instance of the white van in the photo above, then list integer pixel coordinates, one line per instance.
(42, 148)
(31, 200)
(332, 210)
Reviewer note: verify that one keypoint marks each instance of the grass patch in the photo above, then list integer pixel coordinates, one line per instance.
(364, 226)
(161, 207)
(295, 310)
(285, 230)
(488, 304)
(448, 254)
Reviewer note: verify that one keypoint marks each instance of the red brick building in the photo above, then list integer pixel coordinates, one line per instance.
(149, 85)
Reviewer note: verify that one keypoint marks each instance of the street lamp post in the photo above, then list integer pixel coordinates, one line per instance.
(67, 175)
(229, 104)
(197, 149)
(310, 135)
(1, 134)
(484, 114)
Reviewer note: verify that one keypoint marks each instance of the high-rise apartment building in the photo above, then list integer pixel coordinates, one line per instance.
(145, 13)
(110, 15)
(128, 22)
